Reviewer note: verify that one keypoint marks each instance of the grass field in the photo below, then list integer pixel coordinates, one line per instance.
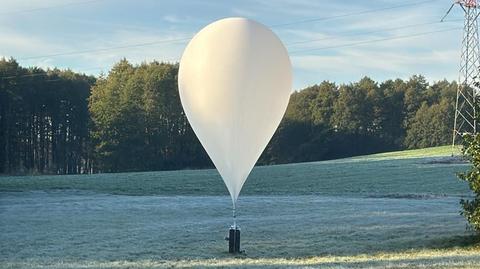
(392, 210)
(443, 151)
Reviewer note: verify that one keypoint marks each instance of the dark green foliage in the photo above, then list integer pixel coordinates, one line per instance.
(138, 121)
(327, 121)
(427, 128)
(131, 120)
(471, 208)
(44, 120)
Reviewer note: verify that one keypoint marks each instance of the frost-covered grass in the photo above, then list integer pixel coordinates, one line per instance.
(353, 213)
(367, 175)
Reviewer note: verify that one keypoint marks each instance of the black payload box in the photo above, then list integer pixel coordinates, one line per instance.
(234, 240)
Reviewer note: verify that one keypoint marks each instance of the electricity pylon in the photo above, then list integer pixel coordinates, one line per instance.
(467, 91)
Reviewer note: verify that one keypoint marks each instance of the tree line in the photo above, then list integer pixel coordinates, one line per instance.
(44, 120)
(328, 121)
(131, 119)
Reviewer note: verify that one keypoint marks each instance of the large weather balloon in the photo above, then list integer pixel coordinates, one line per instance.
(235, 81)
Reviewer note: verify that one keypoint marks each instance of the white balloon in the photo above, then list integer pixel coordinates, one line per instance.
(235, 80)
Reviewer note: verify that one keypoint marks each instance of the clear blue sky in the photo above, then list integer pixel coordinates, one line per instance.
(318, 34)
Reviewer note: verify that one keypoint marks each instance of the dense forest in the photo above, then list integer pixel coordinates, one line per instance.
(60, 122)
(44, 120)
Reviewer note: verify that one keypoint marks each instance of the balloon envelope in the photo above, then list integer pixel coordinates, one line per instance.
(235, 80)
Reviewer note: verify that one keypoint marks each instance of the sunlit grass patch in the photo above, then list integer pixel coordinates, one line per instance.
(441, 151)
(465, 258)
(437, 258)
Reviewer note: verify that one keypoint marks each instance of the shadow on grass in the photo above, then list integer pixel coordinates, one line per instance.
(455, 241)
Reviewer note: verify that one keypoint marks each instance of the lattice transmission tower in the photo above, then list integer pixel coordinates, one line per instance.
(467, 91)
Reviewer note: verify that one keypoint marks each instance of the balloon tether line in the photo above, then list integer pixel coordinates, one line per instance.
(234, 217)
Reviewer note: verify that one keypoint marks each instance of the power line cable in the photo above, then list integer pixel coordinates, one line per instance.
(45, 73)
(375, 40)
(368, 11)
(306, 50)
(351, 33)
(293, 43)
(49, 7)
(329, 47)
(107, 48)
(188, 38)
